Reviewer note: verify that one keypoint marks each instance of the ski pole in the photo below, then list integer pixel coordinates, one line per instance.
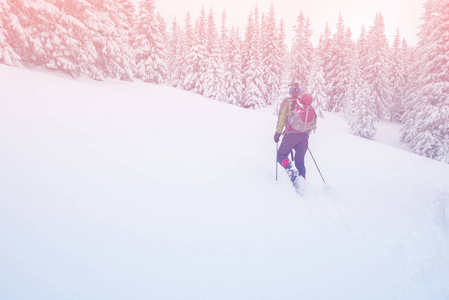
(316, 164)
(276, 156)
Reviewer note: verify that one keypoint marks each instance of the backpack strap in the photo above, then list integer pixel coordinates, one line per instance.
(293, 104)
(307, 116)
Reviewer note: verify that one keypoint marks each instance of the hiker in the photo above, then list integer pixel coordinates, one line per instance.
(299, 119)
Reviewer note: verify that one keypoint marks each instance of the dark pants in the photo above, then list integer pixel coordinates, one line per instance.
(299, 142)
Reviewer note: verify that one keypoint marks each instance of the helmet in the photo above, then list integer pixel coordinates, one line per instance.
(306, 99)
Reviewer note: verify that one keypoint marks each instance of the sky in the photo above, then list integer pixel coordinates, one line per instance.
(402, 14)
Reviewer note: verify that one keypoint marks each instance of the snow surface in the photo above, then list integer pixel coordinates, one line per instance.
(118, 190)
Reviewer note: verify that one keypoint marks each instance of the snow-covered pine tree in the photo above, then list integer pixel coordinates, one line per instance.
(339, 68)
(186, 41)
(428, 129)
(174, 50)
(362, 51)
(317, 85)
(254, 89)
(224, 37)
(283, 53)
(397, 79)
(129, 9)
(364, 118)
(284, 76)
(413, 105)
(376, 67)
(111, 40)
(302, 51)
(407, 54)
(196, 69)
(72, 47)
(196, 58)
(51, 34)
(271, 56)
(126, 24)
(361, 112)
(351, 93)
(410, 108)
(410, 88)
(325, 53)
(162, 28)
(26, 20)
(214, 86)
(150, 50)
(233, 75)
(351, 61)
(7, 53)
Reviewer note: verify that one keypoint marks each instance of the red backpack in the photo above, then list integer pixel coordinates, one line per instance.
(302, 116)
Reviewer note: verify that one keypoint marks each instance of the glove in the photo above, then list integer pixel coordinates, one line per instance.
(276, 137)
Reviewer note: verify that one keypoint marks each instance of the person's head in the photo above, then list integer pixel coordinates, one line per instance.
(294, 90)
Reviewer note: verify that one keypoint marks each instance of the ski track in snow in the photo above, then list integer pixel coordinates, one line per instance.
(322, 201)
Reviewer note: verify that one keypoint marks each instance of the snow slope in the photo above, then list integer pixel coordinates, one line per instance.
(115, 190)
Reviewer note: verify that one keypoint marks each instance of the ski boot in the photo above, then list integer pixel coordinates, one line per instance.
(291, 171)
(293, 174)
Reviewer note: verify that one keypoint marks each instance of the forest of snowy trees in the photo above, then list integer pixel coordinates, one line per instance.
(365, 78)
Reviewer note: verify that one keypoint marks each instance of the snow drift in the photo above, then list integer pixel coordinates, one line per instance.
(120, 190)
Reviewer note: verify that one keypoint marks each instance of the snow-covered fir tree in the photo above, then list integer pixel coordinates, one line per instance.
(283, 53)
(284, 76)
(111, 39)
(38, 32)
(27, 20)
(397, 79)
(173, 50)
(363, 122)
(410, 89)
(233, 75)
(410, 113)
(224, 41)
(360, 113)
(224, 36)
(254, 88)
(196, 69)
(426, 126)
(376, 67)
(71, 41)
(407, 54)
(325, 53)
(214, 86)
(163, 28)
(150, 50)
(317, 85)
(186, 41)
(271, 56)
(197, 56)
(339, 66)
(7, 53)
(301, 53)
(362, 51)
(126, 26)
(351, 93)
